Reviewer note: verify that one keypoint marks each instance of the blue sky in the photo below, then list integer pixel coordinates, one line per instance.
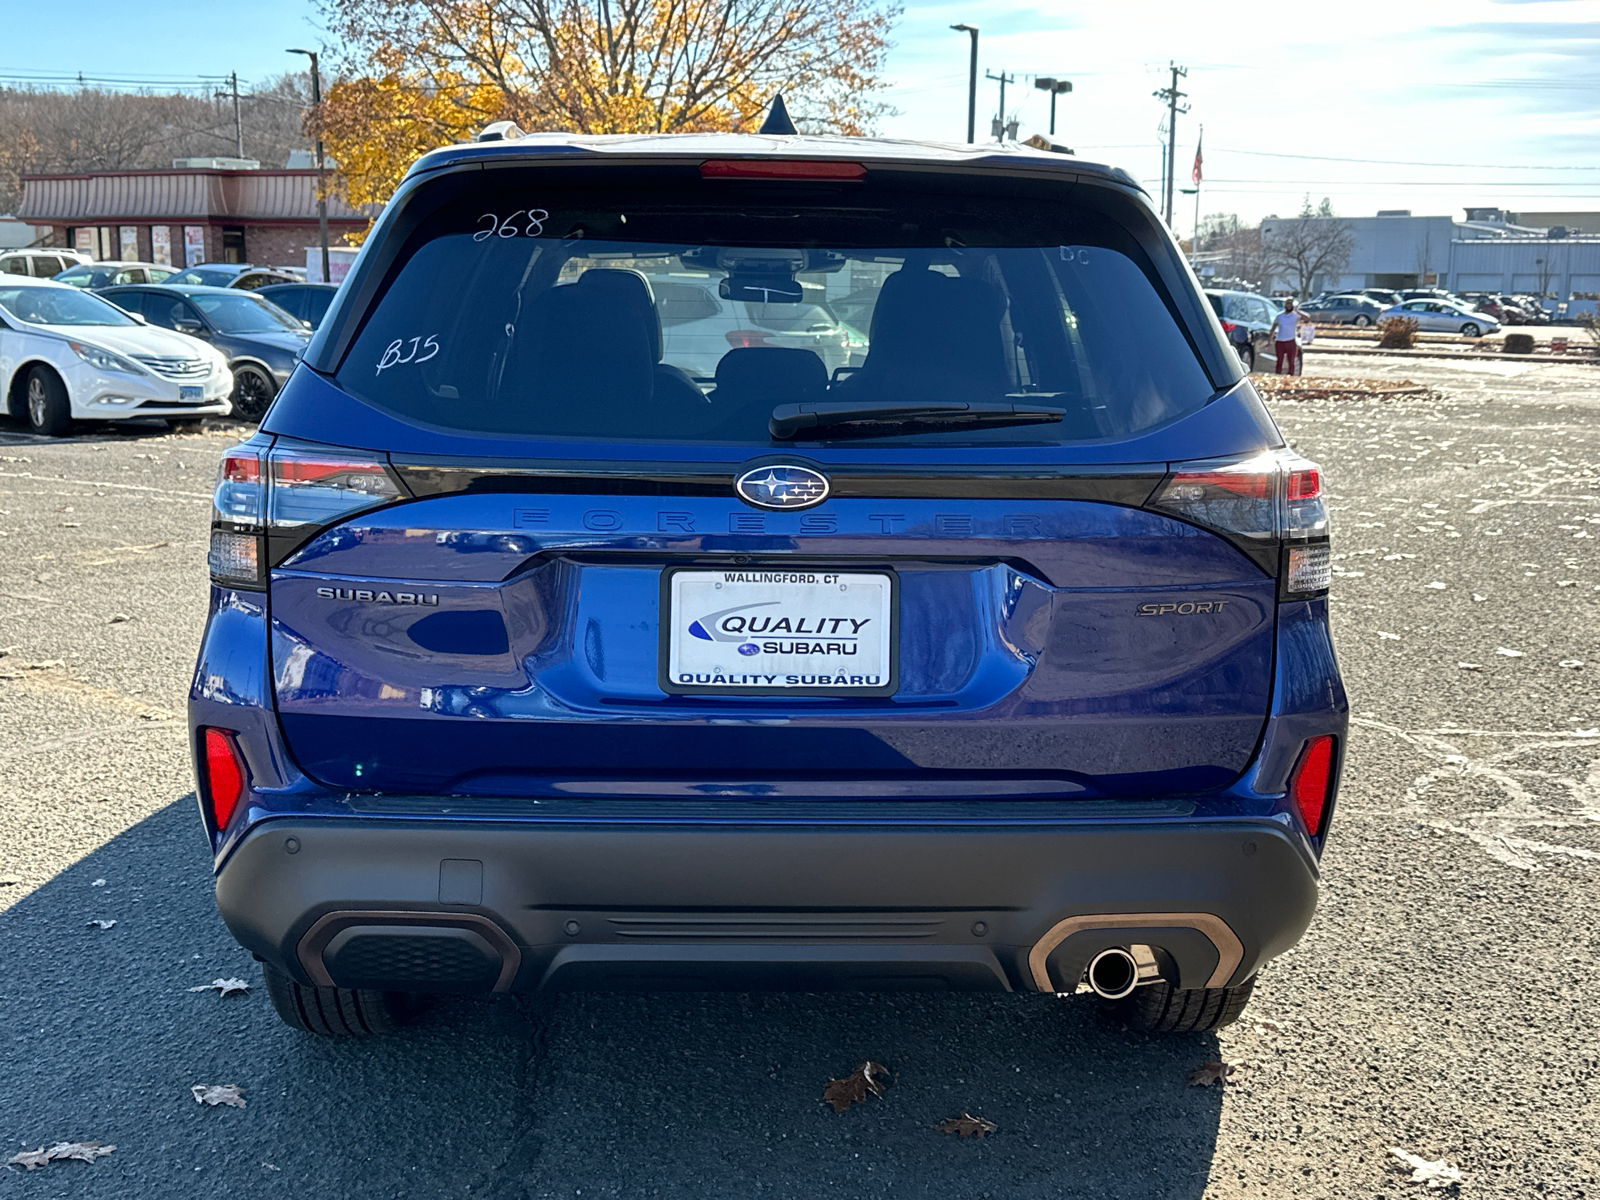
(1466, 102)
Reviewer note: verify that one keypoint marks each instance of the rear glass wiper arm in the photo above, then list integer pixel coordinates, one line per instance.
(843, 419)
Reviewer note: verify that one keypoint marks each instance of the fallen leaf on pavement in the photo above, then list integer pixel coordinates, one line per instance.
(1501, 650)
(10, 880)
(853, 1088)
(101, 924)
(1434, 1174)
(967, 1125)
(1208, 1073)
(98, 883)
(1436, 586)
(1389, 637)
(60, 1152)
(218, 1093)
(1470, 666)
(118, 618)
(225, 987)
(1571, 664)
(43, 664)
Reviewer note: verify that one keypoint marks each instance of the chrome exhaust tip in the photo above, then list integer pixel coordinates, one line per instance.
(1113, 974)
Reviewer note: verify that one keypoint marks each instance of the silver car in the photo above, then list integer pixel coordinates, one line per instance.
(1441, 316)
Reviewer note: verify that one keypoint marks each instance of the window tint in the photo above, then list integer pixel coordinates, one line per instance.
(14, 266)
(1238, 308)
(165, 310)
(1261, 311)
(570, 321)
(45, 265)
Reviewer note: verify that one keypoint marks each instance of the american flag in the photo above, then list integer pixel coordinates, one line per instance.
(1195, 174)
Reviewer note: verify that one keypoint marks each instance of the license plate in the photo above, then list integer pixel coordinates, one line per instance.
(190, 391)
(778, 631)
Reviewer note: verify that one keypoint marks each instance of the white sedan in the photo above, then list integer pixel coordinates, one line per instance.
(1441, 316)
(68, 355)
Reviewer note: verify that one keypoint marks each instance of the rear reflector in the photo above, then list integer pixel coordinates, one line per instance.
(1308, 785)
(224, 777)
(771, 168)
(235, 559)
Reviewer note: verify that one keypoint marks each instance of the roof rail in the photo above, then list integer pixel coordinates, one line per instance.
(500, 131)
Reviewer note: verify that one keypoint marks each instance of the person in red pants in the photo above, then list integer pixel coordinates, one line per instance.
(1284, 327)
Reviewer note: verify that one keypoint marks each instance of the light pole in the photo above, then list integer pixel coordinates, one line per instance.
(972, 83)
(1055, 87)
(322, 190)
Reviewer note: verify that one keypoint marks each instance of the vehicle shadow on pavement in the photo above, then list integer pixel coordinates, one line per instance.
(663, 1094)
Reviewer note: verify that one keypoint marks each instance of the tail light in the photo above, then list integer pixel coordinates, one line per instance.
(237, 556)
(1310, 782)
(741, 338)
(267, 503)
(224, 781)
(1269, 505)
(1228, 327)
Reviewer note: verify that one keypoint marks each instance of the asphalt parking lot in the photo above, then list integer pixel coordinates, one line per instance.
(1443, 1001)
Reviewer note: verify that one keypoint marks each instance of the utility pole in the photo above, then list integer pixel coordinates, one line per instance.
(1002, 79)
(238, 124)
(322, 189)
(1172, 95)
(972, 83)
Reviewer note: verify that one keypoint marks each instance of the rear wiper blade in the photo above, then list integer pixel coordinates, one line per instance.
(843, 419)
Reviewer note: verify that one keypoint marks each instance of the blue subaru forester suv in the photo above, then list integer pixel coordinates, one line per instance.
(979, 643)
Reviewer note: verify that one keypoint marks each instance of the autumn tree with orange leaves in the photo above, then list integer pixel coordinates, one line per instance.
(418, 74)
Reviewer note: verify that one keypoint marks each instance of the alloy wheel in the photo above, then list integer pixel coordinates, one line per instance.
(37, 401)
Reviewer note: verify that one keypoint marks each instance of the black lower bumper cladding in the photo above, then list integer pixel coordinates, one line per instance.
(492, 905)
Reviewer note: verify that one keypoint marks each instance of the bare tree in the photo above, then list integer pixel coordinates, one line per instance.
(43, 132)
(1246, 261)
(1310, 244)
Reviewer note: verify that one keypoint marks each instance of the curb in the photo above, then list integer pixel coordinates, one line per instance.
(1459, 355)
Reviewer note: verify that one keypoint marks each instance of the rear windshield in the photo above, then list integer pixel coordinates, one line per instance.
(689, 313)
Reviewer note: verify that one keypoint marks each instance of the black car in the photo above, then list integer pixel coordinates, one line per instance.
(230, 275)
(262, 342)
(308, 301)
(1247, 320)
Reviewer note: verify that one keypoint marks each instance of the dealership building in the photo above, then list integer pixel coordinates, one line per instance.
(1556, 255)
(208, 210)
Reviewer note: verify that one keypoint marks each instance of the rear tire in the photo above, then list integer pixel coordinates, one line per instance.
(1247, 356)
(253, 390)
(1161, 1008)
(45, 406)
(334, 1011)
(1362, 321)
(1470, 330)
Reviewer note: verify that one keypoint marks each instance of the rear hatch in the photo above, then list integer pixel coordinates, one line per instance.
(521, 544)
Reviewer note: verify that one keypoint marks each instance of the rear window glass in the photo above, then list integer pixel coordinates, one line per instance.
(691, 312)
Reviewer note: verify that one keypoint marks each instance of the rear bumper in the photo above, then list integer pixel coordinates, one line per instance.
(957, 896)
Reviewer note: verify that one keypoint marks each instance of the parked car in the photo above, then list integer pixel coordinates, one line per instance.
(1247, 321)
(231, 275)
(1382, 295)
(698, 326)
(1533, 309)
(578, 674)
(307, 301)
(96, 276)
(261, 342)
(1356, 310)
(1441, 316)
(1430, 293)
(67, 355)
(39, 263)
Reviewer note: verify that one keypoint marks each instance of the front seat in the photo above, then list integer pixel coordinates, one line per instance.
(596, 344)
(934, 337)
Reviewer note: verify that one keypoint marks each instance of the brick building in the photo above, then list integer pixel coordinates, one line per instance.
(186, 216)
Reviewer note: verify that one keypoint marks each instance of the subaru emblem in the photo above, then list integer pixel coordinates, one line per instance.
(782, 487)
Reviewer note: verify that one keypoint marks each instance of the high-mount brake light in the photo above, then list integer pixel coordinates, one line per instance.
(783, 168)
(1310, 781)
(740, 339)
(1269, 505)
(236, 555)
(224, 776)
